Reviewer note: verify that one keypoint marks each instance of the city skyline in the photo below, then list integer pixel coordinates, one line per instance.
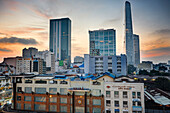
(26, 24)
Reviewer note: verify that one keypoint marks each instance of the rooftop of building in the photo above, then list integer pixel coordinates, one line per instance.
(56, 19)
(102, 30)
(75, 77)
(158, 96)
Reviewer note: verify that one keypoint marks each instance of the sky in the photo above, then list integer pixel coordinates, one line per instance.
(25, 23)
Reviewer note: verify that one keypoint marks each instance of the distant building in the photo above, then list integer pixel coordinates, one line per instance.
(78, 59)
(10, 61)
(6, 69)
(29, 53)
(102, 42)
(100, 64)
(60, 39)
(146, 65)
(49, 58)
(136, 49)
(78, 94)
(30, 66)
(168, 62)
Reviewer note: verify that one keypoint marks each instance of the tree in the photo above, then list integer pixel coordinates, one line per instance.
(131, 69)
(162, 83)
(143, 72)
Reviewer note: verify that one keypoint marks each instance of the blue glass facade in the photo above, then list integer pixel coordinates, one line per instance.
(129, 34)
(102, 42)
(60, 39)
(136, 49)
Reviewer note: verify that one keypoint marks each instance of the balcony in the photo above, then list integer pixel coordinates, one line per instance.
(125, 96)
(116, 96)
(136, 108)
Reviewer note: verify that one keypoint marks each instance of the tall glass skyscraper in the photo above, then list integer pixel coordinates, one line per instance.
(129, 34)
(102, 42)
(60, 39)
(136, 49)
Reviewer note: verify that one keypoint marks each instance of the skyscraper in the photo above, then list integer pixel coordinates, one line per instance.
(60, 39)
(102, 42)
(129, 34)
(136, 49)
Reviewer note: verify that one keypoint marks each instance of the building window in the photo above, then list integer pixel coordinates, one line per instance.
(19, 80)
(52, 82)
(63, 82)
(27, 98)
(39, 99)
(134, 103)
(116, 94)
(133, 94)
(40, 82)
(108, 103)
(28, 81)
(53, 99)
(87, 101)
(19, 89)
(18, 105)
(108, 94)
(96, 102)
(96, 110)
(108, 111)
(116, 103)
(79, 109)
(138, 94)
(96, 92)
(40, 107)
(53, 90)
(96, 83)
(27, 106)
(63, 109)
(63, 100)
(28, 89)
(125, 104)
(40, 90)
(53, 108)
(125, 94)
(139, 103)
(63, 91)
(18, 98)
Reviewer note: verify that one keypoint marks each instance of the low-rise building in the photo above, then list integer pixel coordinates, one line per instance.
(145, 65)
(101, 64)
(49, 58)
(30, 65)
(77, 94)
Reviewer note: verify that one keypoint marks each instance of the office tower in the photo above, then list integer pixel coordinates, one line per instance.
(100, 64)
(102, 42)
(29, 53)
(136, 49)
(60, 39)
(129, 34)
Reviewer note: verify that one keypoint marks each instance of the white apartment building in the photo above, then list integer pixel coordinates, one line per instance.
(101, 64)
(124, 97)
(49, 58)
(30, 65)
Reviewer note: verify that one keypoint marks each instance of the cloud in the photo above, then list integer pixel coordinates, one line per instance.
(111, 21)
(5, 50)
(162, 32)
(18, 40)
(156, 52)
